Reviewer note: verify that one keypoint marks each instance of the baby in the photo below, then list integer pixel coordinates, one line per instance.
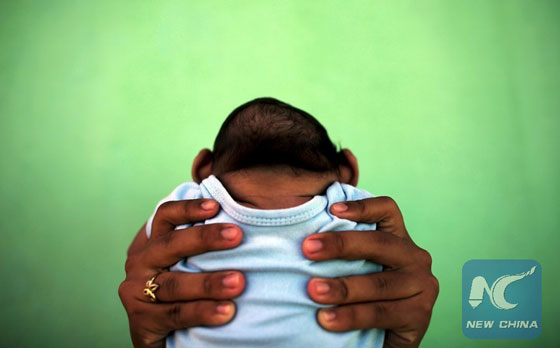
(275, 173)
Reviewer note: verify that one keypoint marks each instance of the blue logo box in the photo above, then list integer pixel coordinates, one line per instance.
(502, 299)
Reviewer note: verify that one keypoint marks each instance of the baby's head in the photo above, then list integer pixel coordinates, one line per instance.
(268, 135)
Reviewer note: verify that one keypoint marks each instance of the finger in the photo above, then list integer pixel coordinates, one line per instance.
(166, 317)
(384, 286)
(179, 244)
(200, 313)
(176, 286)
(382, 315)
(379, 247)
(381, 210)
(175, 213)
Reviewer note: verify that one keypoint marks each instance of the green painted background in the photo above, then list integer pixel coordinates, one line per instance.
(452, 108)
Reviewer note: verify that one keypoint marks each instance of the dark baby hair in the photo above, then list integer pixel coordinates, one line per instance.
(268, 132)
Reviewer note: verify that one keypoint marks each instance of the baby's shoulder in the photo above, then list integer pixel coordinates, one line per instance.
(339, 192)
(186, 190)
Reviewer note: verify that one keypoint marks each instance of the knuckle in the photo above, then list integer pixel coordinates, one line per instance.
(379, 311)
(164, 206)
(203, 237)
(343, 289)
(168, 285)
(361, 206)
(351, 316)
(167, 240)
(124, 290)
(187, 207)
(135, 313)
(424, 257)
(420, 311)
(130, 263)
(339, 243)
(161, 209)
(386, 200)
(176, 313)
(435, 284)
(382, 238)
(426, 308)
(381, 284)
(207, 285)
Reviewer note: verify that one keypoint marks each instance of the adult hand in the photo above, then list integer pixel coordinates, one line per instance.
(400, 299)
(184, 299)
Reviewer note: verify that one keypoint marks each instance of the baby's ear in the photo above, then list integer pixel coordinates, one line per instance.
(349, 172)
(202, 165)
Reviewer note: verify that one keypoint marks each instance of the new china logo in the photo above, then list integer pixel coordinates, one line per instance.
(497, 292)
(509, 308)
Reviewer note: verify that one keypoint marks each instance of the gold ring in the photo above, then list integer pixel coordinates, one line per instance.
(151, 287)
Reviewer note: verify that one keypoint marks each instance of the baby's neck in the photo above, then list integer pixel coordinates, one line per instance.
(262, 188)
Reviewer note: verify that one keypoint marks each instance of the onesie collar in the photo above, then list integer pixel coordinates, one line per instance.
(263, 217)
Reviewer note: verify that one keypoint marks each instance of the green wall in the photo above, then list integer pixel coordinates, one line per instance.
(451, 107)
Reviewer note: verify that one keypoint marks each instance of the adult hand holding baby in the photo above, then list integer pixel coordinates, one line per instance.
(274, 169)
(184, 299)
(400, 299)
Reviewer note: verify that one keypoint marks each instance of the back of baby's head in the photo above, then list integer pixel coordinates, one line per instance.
(266, 132)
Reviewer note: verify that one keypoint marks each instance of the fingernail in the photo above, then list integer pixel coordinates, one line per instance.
(231, 280)
(229, 233)
(313, 245)
(327, 314)
(322, 287)
(224, 308)
(208, 205)
(339, 207)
